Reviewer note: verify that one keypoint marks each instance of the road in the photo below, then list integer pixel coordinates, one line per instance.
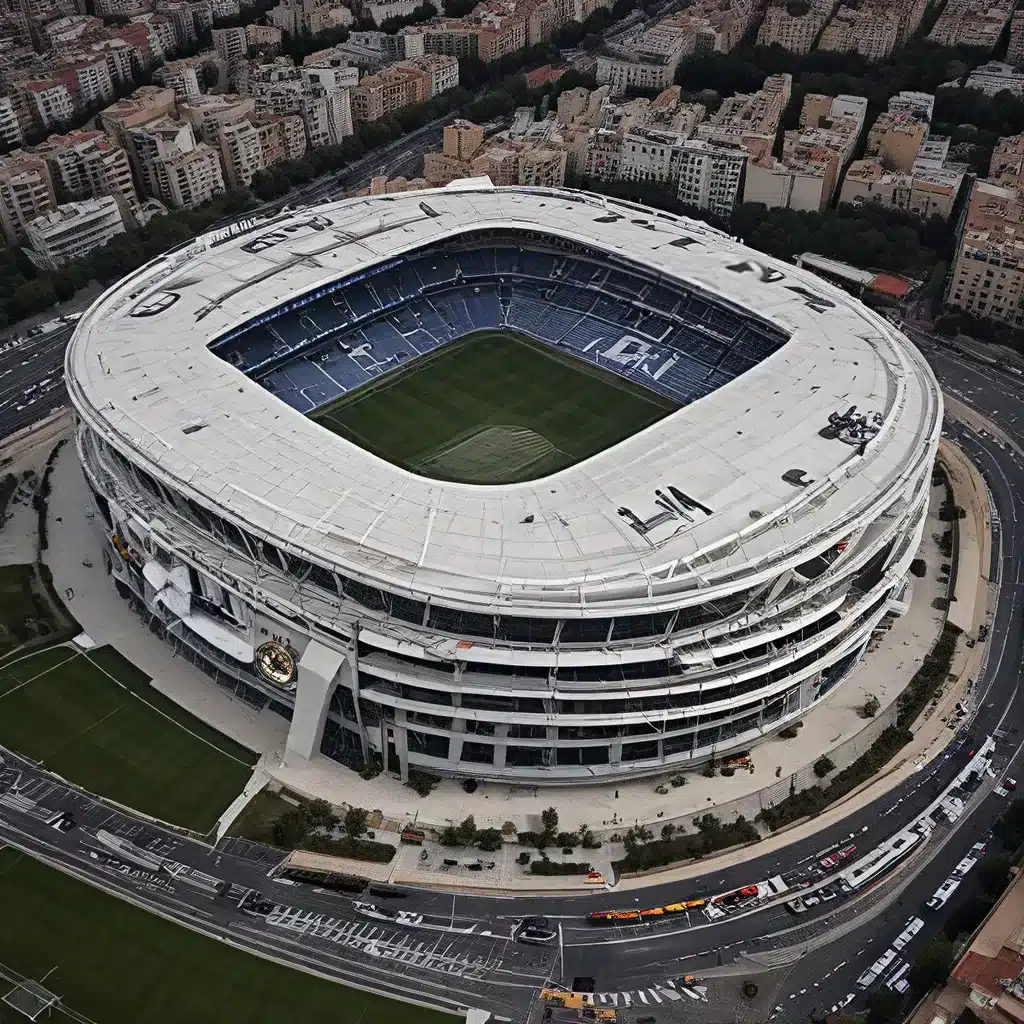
(484, 966)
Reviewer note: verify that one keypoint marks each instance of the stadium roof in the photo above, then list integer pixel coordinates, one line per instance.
(751, 452)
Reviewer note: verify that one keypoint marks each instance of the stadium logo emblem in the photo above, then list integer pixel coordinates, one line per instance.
(276, 663)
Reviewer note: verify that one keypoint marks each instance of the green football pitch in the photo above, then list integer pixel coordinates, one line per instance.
(96, 721)
(493, 408)
(114, 963)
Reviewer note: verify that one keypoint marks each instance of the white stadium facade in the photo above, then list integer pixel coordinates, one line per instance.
(680, 595)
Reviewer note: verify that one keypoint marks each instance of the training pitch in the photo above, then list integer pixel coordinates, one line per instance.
(95, 721)
(113, 962)
(493, 408)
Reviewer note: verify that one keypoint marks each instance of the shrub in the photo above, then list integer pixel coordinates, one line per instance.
(567, 839)
(551, 867)
(534, 839)
(524, 857)
(711, 835)
(789, 733)
(928, 678)
(358, 849)
(708, 771)
(590, 841)
(727, 771)
(823, 766)
(814, 799)
(871, 706)
(509, 828)
(354, 822)
(489, 840)
(423, 783)
(469, 785)
(567, 850)
(450, 836)
(918, 567)
(677, 780)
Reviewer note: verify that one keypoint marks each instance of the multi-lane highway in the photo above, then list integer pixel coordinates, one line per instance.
(463, 953)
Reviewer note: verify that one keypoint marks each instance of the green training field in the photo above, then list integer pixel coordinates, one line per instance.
(126, 742)
(115, 963)
(493, 408)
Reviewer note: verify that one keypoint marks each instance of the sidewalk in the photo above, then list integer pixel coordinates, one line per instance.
(607, 810)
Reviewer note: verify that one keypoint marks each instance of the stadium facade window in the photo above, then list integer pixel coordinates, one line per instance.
(585, 631)
(427, 743)
(640, 751)
(477, 753)
(527, 757)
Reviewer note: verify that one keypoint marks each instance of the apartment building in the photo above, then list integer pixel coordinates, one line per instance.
(162, 36)
(241, 151)
(542, 167)
(895, 139)
(72, 231)
(443, 71)
(384, 186)
(11, 135)
(987, 279)
(872, 30)
(329, 71)
(805, 180)
(749, 119)
(492, 31)
(86, 165)
(1007, 164)
(794, 32)
(193, 177)
(462, 140)
(235, 44)
(308, 17)
(648, 58)
(70, 29)
(651, 155)
(382, 94)
(996, 77)
(207, 113)
(147, 103)
(833, 122)
(1015, 48)
(150, 146)
(923, 192)
(977, 23)
(26, 192)
(326, 115)
(382, 10)
(281, 137)
(183, 76)
(122, 8)
(711, 177)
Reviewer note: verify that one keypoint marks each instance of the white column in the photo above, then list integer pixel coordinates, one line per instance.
(318, 671)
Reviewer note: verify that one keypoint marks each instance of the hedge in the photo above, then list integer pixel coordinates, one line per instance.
(914, 699)
(357, 849)
(712, 836)
(554, 867)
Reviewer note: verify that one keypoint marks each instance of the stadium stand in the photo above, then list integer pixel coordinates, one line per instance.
(656, 333)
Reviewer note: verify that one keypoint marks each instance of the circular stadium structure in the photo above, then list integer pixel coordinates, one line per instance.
(505, 483)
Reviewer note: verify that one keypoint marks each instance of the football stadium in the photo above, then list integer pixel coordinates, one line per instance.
(515, 484)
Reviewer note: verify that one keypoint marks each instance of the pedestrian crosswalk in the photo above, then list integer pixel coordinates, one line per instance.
(662, 993)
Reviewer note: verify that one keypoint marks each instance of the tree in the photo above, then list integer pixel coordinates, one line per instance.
(884, 1007)
(354, 822)
(466, 831)
(965, 917)
(320, 815)
(994, 875)
(489, 839)
(549, 821)
(291, 828)
(667, 830)
(932, 966)
(823, 766)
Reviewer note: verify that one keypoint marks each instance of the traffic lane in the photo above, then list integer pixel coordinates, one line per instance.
(859, 949)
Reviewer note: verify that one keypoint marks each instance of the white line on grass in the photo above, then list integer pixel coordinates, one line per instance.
(32, 679)
(163, 714)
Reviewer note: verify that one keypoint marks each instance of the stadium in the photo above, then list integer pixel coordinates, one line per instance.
(504, 483)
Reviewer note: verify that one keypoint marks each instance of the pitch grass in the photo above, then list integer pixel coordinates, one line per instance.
(116, 963)
(126, 742)
(437, 415)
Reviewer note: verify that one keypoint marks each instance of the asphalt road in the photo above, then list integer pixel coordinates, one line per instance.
(636, 965)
